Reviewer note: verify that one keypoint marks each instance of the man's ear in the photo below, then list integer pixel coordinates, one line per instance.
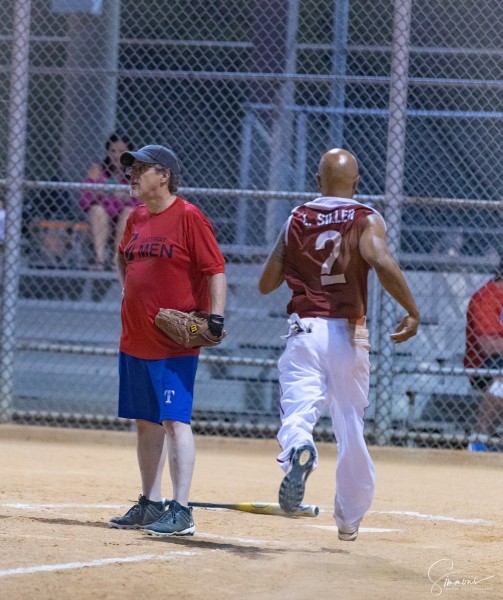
(318, 181)
(355, 185)
(166, 177)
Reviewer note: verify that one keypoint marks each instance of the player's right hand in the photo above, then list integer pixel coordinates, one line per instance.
(406, 329)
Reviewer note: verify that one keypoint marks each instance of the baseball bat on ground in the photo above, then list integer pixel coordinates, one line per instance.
(263, 508)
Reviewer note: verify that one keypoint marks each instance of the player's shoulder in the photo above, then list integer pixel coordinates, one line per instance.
(328, 203)
(187, 206)
(375, 218)
(190, 210)
(487, 289)
(480, 297)
(138, 212)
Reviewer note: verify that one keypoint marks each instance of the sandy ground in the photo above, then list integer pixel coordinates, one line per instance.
(435, 528)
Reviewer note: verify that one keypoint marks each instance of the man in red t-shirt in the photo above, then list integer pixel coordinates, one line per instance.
(168, 258)
(324, 253)
(484, 350)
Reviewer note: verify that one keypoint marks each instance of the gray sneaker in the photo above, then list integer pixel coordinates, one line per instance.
(177, 520)
(348, 536)
(291, 490)
(140, 514)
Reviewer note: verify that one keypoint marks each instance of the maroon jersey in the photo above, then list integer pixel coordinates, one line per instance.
(323, 266)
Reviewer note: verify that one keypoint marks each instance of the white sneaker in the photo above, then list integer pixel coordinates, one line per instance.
(347, 536)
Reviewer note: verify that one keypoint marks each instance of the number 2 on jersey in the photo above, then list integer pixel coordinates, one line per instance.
(321, 241)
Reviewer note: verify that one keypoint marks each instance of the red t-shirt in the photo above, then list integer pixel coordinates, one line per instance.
(323, 266)
(484, 317)
(170, 256)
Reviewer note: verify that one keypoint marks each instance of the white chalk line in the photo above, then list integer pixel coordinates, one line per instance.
(24, 506)
(418, 515)
(93, 563)
(334, 528)
(130, 559)
(405, 513)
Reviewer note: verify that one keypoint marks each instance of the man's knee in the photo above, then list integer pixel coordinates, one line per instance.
(174, 428)
(144, 426)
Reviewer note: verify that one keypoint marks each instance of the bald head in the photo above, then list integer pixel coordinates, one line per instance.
(338, 173)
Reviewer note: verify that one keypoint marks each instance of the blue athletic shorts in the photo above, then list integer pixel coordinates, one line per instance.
(156, 390)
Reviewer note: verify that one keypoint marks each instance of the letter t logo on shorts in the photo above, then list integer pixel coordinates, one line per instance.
(169, 394)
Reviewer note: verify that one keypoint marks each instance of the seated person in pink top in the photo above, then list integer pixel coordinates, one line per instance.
(108, 211)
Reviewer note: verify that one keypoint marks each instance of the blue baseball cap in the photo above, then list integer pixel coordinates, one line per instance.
(153, 155)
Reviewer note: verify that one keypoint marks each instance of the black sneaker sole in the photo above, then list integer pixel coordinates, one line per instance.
(291, 490)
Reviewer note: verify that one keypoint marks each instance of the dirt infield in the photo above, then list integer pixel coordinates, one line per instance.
(435, 528)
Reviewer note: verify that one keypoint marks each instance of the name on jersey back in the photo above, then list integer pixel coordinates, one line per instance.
(341, 215)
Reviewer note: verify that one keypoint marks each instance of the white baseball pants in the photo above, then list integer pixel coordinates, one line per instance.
(328, 369)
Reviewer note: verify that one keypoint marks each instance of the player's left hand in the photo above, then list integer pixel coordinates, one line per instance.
(216, 324)
(406, 329)
(191, 330)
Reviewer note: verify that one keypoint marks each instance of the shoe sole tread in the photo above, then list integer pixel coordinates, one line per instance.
(292, 488)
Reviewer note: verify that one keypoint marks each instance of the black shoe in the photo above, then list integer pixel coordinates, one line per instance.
(177, 520)
(140, 514)
(291, 491)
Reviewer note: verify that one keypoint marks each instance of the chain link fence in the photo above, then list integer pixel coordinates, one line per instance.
(249, 94)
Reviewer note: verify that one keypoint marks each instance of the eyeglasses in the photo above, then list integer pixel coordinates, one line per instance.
(137, 169)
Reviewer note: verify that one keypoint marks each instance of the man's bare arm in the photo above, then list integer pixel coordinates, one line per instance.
(272, 275)
(374, 249)
(120, 259)
(217, 286)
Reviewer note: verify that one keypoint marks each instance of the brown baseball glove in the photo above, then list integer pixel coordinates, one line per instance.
(190, 330)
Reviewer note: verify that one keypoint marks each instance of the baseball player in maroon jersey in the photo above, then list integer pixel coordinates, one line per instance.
(324, 252)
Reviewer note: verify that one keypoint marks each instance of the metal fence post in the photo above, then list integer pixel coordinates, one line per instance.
(393, 207)
(282, 130)
(18, 109)
(91, 97)
(339, 66)
(244, 176)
